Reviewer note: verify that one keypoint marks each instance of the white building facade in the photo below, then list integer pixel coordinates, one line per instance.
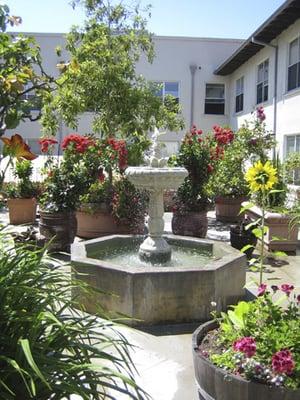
(261, 71)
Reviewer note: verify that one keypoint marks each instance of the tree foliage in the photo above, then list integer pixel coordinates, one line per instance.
(22, 77)
(101, 75)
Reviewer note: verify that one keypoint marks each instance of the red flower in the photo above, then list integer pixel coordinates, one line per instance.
(282, 362)
(286, 288)
(80, 143)
(223, 136)
(210, 168)
(245, 345)
(262, 289)
(45, 143)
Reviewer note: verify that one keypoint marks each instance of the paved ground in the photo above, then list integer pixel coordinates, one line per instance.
(164, 357)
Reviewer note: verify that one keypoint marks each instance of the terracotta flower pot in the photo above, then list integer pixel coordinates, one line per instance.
(101, 223)
(190, 224)
(280, 235)
(22, 211)
(59, 229)
(228, 208)
(215, 383)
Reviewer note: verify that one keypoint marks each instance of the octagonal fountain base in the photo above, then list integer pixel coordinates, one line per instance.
(179, 292)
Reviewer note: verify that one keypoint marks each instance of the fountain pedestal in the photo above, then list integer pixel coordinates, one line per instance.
(155, 249)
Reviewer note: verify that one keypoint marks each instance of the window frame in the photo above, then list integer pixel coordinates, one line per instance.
(290, 65)
(239, 94)
(264, 83)
(222, 102)
(164, 94)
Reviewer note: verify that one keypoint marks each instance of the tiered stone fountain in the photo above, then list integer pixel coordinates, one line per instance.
(161, 278)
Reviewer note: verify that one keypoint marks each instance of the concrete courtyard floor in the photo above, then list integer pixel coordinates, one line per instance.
(163, 357)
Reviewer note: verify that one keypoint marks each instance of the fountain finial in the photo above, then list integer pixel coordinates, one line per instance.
(155, 158)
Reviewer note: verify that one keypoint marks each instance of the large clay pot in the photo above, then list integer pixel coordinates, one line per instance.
(59, 229)
(101, 223)
(215, 383)
(190, 224)
(228, 209)
(281, 236)
(21, 211)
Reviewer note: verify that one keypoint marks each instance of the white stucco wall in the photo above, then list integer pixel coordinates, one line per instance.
(174, 55)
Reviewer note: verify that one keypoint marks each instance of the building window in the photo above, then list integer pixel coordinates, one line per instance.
(239, 95)
(214, 99)
(294, 65)
(262, 87)
(293, 146)
(162, 89)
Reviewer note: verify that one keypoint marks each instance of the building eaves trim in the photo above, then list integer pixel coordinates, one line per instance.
(280, 20)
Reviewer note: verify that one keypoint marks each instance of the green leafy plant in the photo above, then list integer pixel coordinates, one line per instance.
(194, 155)
(22, 74)
(228, 178)
(259, 340)
(291, 168)
(49, 348)
(103, 57)
(24, 188)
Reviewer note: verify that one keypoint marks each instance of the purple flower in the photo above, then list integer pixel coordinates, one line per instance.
(298, 298)
(245, 345)
(286, 288)
(260, 114)
(282, 362)
(262, 289)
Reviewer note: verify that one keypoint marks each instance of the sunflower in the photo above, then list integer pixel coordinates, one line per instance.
(261, 177)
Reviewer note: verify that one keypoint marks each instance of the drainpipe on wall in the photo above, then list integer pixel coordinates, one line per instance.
(193, 68)
(253, 40)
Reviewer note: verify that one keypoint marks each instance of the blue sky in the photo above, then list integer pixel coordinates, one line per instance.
(200, 18)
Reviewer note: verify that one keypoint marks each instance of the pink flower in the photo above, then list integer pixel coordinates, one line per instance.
(245, 345)
(261, 289)
(260, 114)
(282, 362)
(286, 288)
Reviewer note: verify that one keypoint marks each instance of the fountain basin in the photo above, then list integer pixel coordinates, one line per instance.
(159, 294)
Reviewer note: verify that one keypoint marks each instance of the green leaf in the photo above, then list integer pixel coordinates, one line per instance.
(27, 352)
(245, 248)
(246, 207)
(279, 253)
(256, 222)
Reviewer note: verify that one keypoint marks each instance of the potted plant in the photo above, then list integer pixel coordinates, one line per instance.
(191, 201)
(109, 203)
(107, 209)
(252, 351)
(21, 200)
(227, 184)
(64, 183)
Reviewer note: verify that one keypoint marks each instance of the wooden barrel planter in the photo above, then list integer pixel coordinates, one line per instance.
(58, 229)
(22, 211)
(190, 224)
(228, 209)
(101, 223)
(217, 384)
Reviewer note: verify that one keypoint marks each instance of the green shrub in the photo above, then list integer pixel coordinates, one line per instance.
(48, 348)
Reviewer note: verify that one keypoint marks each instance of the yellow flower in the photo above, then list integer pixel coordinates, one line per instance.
(261, 177)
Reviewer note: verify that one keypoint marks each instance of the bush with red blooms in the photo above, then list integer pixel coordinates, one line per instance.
(86, 160)
(194, 155)
(259, 340)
